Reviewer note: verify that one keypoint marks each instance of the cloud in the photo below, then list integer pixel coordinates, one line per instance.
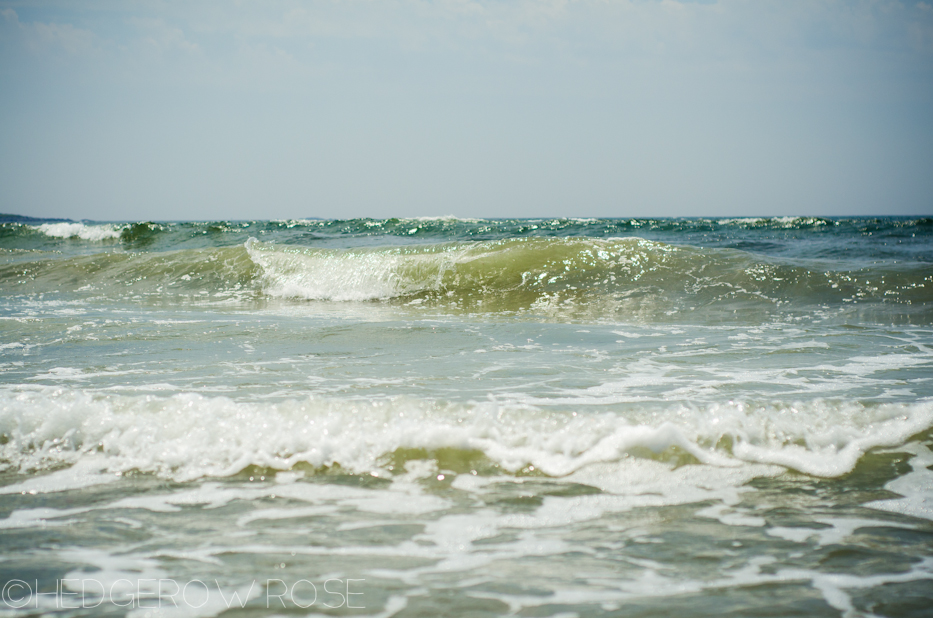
(158, 36)
(920, 30)
(295, 36)
(51, 37)
(511, 106)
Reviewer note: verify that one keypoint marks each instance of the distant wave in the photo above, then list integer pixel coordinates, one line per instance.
(93, 233)
(722, 231)
(778, 222)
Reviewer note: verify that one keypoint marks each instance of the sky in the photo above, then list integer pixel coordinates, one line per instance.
(164, 110)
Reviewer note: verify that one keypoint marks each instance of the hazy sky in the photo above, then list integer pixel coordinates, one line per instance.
(341, 108)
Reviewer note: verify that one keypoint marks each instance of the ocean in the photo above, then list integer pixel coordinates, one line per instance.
(467, 417)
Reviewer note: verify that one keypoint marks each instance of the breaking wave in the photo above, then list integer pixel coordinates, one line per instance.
(188, 436)
(560, 278)
(599, 277)
(94, 233)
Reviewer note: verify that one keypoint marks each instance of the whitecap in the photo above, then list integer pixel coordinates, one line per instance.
(80, 230)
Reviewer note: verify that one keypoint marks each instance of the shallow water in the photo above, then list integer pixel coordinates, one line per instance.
(467, 417)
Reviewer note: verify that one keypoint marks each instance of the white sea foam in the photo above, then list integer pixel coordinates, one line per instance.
(654, 581)
(86, 472)
(345, 275)
(837, 530)
(188, 436)
(80, 230)
(780, 222)
(916, 487)
(741, 220)
(446, 218)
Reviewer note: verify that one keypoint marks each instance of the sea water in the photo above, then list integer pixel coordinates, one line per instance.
(458, 417)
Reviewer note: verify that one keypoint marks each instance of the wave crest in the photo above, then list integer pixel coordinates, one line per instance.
(94, 233)
(188, 436)
(583, 278)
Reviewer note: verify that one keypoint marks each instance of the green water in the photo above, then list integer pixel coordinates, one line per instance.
(468, 418)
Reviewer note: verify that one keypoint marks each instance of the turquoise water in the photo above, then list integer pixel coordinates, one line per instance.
(423, 417)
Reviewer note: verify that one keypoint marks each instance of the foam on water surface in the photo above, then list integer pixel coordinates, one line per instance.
(469, 417)
(93, 233)
(189, 436)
